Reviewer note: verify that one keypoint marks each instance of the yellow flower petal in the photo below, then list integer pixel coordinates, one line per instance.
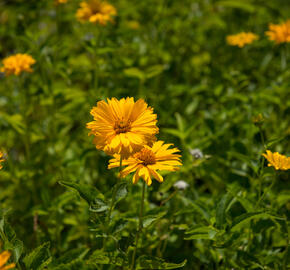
(278, 161)
(16, 64)
(113, 126)
(148, 161)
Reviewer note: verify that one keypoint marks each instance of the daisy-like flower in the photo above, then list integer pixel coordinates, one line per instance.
(1, 160)
(241, 39)
(96, 11)
(279, 33)
(4, 257)
(15, 64)
(278, 161)
(123, 126)
(148, 161)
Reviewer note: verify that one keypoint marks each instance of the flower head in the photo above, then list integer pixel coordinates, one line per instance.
(196, 153)
(279, 32)
(148, 160)
(278, 161)
(15, 64)
(96, 11)
(241, 39)
(123, 126)
(181, 185)
(1, 160)
(4, 257)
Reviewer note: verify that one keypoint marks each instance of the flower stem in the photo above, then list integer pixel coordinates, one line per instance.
(267, 190)
(139, 228)
(114, 196)
(260, 175)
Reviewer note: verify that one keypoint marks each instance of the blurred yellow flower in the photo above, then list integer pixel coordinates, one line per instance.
(60, 1)
(15, 64)
(1, 160)
(241, 39)
(133, 25)
(279, 32)
(123, 126)
(4, 257)
(96, 11)
(278, 161)
(148, 160)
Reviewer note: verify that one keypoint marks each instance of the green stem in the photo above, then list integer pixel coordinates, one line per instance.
(284, 57)
(287, 246)
(260, 175)
(169, 197)
(267, 190)
(262, 138)
(114, 196)
(140, 227)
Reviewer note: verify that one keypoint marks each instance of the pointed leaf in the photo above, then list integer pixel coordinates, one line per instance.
(87, 192)
(38, 258)
(148, 262)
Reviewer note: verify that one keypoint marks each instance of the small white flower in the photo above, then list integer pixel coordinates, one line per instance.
(181, 185)
(196, 153)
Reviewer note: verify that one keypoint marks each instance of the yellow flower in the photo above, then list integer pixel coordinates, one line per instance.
(1, 160)
(122, 126)
(148, 160)
(278, 161)
(60, 1)
(96, 11)
(17, 63)
(4, 257)
(241, 39)
(279, 32)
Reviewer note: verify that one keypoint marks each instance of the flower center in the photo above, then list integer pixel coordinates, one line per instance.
(147, 156)
(122, 126)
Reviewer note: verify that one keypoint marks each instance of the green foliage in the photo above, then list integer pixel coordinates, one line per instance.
(61, 208)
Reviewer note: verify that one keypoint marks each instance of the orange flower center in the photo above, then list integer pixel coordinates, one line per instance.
(122, 126)
(147, 156)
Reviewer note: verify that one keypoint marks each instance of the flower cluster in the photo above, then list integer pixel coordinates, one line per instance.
(4, 257)
(127, 130)
(278, 161)
(16, 64)
(280, 33)
(241, 39)
(96, 11)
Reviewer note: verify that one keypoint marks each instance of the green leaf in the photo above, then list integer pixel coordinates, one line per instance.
(174, 132)
(201, 232)
(154, 71)
(148, 262)
(73, 265)
(121, 191)
(149, 219)
(274, 141)
(237, 4)
(221, 210)
(88, 193)
(98, 206)
(102, 257)
(15, 120)
(244, 219)
(17, 249)
(135, 72)
(38, 258)
(119, 226)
